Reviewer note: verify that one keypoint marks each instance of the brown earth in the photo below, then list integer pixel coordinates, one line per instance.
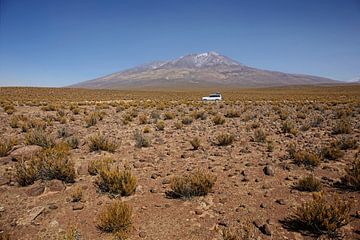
(242, 195)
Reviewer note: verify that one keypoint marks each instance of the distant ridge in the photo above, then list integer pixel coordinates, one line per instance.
(208, 69)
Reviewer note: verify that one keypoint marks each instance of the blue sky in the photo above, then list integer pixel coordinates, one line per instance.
(60, 42)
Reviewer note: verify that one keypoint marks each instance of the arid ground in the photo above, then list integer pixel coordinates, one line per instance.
(270, 150)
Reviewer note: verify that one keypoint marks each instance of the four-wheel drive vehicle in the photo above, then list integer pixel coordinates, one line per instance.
(213, 97)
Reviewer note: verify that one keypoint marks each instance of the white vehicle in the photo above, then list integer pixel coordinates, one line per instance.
(213, 97)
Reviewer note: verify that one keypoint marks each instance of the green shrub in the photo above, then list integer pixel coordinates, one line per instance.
(141, 140)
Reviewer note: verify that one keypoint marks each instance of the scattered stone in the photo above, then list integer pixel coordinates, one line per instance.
(265, 229)
(55, 185)
(2, 209)
(166, 181)
(223, 222)
(268, 170)
(263, 205)
(25, 153)
(4, 180)
(257, 223)
(198, 212)
(142, 234)
(53, 224)
(5, 160)
(31, 216)
(35, 190)
(281, 201)
(52, 206)
(167, 205)
(83, 170)
(153, 190)
(78, 206)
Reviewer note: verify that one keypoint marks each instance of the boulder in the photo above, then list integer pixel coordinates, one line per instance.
(25, 153)
(55, 185)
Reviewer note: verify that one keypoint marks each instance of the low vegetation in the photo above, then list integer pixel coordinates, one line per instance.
(352, 177)
(100, 142)
(309, 184)
(224, 139)
(115, 218)
(6, 145)
(39, 137)
(198, 183)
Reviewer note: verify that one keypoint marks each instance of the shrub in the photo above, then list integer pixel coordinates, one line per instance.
(91, 120)
(71, 234)
(51, 163)
(141, 140)
(178, 125)
(147, 129)
(39, 137)
(309, 184)
(186, 120)
(143, 119)
(245, 232)
(95, 165)
(259, 135)
(199, 115)
(225, 139)
(195, 143)
(320, 216)
(316, 121)
(232, 113)
(270, 146)
(63, 132)
(116, 181)
(306, 158)
(218, 120)
(331, 152)
(73, 142)
(352, 177)
(288, 127)
(169, 116)
(6, 145)
(9, 109)
(17, 121)
(345, 143)
(342, 127)
(198, 183)
(100, 142)
(76, 194)
(160, 125)
(115, 217)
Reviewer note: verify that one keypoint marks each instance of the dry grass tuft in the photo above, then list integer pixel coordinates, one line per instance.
(76, 194)
(115, 217)
(51, 163)
(352, 177)
(100, 142)
(39, 137)
(309, 184)
(218, 120)
(259, 135)
(320, 216)
(198, 183)
(116, 181)
(342, 127)
(225, 139)
(141, 140)
(6, 145)
(195, 143)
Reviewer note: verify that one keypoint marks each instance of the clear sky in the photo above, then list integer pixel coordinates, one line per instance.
(60, 42)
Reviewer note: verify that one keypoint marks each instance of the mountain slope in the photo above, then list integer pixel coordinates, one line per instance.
(199, 70)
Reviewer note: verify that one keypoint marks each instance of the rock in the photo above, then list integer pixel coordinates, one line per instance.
(257, 223)
(154, 175)
(142, 234)
(268, 170)
(25, 153)
(4, 180)
(263, 205)
(266, 229)
(78, 206)
(5, 160)
(53, 224)
(52, 206)
(2, 209)
(82, 170)
(281, 201)
(35, 190)
(153, 190)
(166, 181)
(198, 212)
(31, 216)
(55, 185)
(223, 222)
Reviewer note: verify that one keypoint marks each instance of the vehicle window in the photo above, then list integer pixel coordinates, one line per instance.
(214, 95)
